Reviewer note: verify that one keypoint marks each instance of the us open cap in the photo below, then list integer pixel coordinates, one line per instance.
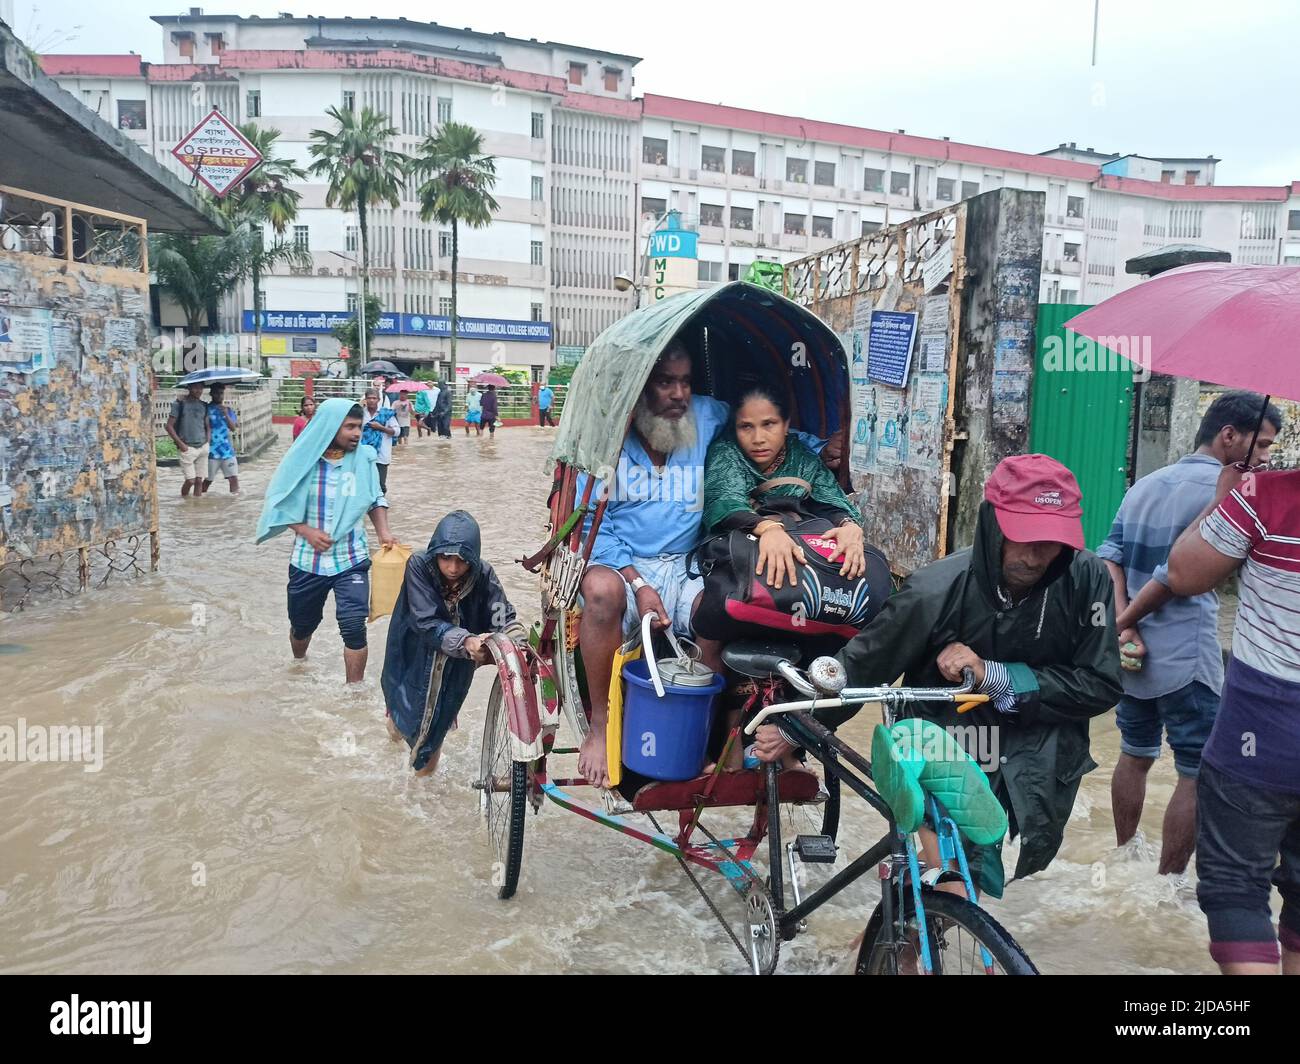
(1036, 499)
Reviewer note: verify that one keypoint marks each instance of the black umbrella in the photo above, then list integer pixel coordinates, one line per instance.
(381, 366)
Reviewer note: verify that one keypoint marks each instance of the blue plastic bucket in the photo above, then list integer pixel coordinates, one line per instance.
(665, 738)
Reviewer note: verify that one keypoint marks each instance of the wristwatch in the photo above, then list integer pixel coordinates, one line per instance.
(637, 585)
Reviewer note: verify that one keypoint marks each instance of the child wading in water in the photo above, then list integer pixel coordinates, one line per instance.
(449, 594)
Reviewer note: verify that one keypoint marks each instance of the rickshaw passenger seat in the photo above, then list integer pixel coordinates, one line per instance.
(758, 660)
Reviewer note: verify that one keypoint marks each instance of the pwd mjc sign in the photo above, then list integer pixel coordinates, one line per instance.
(673, 244)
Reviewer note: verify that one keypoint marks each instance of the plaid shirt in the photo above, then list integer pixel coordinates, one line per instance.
(344, 553)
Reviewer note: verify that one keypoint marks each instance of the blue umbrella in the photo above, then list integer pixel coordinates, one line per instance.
(217, 375)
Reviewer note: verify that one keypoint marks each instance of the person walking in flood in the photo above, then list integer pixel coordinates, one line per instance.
(490, 409)
(322, 491)
(188, 426)
(221, 448)
(449, 594)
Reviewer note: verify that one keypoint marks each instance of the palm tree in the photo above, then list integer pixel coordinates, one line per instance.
(197, 271)
(265, 198)
(456, 190)
(362, 170)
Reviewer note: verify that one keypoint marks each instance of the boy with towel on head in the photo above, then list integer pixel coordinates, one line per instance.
(322, 491)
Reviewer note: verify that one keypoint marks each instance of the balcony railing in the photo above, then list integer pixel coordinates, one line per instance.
(33, 224)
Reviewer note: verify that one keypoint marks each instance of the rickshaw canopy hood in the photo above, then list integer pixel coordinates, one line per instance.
(735, 332)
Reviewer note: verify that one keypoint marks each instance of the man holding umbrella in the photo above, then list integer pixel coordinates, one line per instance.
(1237, 326)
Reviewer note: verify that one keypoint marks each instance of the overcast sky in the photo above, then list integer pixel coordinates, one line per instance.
(1173, 77)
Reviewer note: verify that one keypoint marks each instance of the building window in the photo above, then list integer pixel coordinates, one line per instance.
(946, 189)
(1291, 260)
(444, 110)
(539, 125)
(1166, 177)
(444, 306)
(254, 107)
(823, 227)
(714, 160)
(824, 174)
(1071, 253)
(742, 163)
(969, 189)
(612, 77)
(349, 100)
(873, 180)
(444, 243)
(130, 114)
(711, 214)
(350, 238)
(652, 206)
(216, 43)
(1190, 178)
(871, 227)
(1293, 220)
(301, 238)
(795, 225)
(577, 71)
(184, 42)
(742, 218)
(710, 271)
(536, 253)
(537, 189)
(654, 151)
(352, 302)
(899, 183)
(1074, 207)
(733, 272)
(796, 170)
(534, 312)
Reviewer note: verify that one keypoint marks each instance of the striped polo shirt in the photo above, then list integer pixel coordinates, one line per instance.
(1257, 735)
(344, 553)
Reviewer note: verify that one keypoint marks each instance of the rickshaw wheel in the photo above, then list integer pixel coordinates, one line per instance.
(503, 795)
(566, 680)
(764, 941)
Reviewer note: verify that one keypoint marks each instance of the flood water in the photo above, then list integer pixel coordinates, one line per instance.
(251, 814)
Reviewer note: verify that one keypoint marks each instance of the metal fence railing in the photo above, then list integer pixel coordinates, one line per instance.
(253, 403)
(513, 401)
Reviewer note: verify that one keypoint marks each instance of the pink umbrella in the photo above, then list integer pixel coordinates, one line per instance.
(1238, 326)
(407, 386)
(490, 378)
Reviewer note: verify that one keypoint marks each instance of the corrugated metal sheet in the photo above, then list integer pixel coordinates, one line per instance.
(1082, 401)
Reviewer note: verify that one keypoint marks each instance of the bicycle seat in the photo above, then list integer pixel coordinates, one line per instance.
(757, 660)
(916, 757)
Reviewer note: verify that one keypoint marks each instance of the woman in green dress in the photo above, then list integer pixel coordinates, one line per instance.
(761, 448)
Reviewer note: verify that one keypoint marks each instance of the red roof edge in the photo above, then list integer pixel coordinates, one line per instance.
(99, 66)
(877, 140)
(1211, 193)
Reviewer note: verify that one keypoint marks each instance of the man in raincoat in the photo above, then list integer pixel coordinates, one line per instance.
(449, 598)
(1032, 614)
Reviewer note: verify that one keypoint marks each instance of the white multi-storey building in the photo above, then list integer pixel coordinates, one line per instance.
(584, 168)
(559, 120)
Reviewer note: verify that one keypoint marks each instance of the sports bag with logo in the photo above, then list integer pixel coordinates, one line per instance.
(737, 601)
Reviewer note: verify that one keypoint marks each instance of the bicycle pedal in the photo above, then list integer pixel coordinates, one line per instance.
(815, 849)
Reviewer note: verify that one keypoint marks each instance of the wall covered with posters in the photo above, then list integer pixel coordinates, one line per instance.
(936, 316)
(77, 472)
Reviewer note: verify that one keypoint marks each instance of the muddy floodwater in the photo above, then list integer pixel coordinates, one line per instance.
(251, 815)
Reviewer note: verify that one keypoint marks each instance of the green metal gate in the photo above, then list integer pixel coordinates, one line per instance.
(1080, 414)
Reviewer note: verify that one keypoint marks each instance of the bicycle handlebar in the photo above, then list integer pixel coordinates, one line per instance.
(857, 695)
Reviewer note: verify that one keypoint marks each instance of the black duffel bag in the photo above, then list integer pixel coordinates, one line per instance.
(740, 604)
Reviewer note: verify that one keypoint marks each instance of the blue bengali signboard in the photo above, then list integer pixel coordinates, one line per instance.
(324, 321)
(890, 338)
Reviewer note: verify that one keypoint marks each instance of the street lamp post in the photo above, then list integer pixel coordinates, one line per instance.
(361, 308)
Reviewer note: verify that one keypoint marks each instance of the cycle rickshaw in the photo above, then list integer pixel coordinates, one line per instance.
(916, 928)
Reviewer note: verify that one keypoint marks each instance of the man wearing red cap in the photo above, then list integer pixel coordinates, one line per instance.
(1032, 614)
